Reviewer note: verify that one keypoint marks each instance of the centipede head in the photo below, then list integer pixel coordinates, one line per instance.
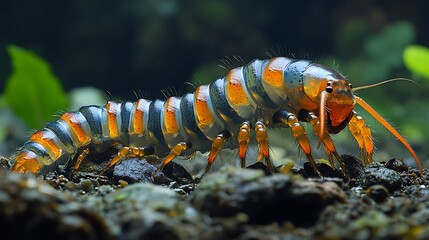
(339, 105)
(334, 96)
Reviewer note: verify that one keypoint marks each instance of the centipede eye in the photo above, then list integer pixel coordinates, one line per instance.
(351, 86)
(329, 89)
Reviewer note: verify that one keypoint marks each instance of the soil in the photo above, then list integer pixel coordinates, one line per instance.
(385, 200)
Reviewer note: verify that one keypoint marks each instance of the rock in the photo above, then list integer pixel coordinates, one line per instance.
(324, 169)
(378, 192)
(175, 171)
(4, 163)
(354, 166)
(396, 165)
(231, 191)
(261, 166)
(378, 175)
(139, 170)
(31, 208)
(146, 211)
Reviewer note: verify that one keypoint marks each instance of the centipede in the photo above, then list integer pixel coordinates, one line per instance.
(279, 92)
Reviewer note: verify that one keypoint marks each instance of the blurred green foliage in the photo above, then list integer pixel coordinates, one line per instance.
(416, 59)
(368, 58)
(86, 96)
(32, 91)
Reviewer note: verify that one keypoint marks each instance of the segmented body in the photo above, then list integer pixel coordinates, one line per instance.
(263, 92)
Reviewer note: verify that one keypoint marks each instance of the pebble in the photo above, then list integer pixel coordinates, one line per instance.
(382, 176)
(378, 193)
(264, 198)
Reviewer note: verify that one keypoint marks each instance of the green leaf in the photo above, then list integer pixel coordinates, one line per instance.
(86, 96)
(32, 91)
(416, 59)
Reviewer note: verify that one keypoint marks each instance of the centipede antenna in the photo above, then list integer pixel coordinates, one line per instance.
(386, 81)
(389, 127)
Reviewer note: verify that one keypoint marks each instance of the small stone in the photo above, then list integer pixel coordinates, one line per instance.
(378, 175)
(30, 207)
(397, 165)
(146, 211)
(264, 198)
(260, 166)
(176, 171)
(324, 169)
(378, 192)
(354, 166)
(137, 170)
(122, 183)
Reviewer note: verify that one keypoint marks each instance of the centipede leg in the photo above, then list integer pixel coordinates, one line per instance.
(362, 134)
(243, 142)
(129, 152)
(80, 158)
(263, 144)
(328, 145)
(299, 133)
(175, 151)
(216, 147)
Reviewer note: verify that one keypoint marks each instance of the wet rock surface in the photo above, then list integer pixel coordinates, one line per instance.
(390, 179)
(29, 207)
(382, 201)
(264, 199)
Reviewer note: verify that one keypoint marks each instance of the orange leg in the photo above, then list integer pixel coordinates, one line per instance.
(129, 152)
(328, 145)
(243, 142)
(299, 133)
(216, 147)
(81, 157)
(175, 151)
(362, 134)
(263, 145)
(389, 127)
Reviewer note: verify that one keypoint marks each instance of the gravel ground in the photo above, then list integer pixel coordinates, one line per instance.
(383, 201)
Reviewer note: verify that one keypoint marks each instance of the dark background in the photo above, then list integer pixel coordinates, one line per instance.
(121, 46)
